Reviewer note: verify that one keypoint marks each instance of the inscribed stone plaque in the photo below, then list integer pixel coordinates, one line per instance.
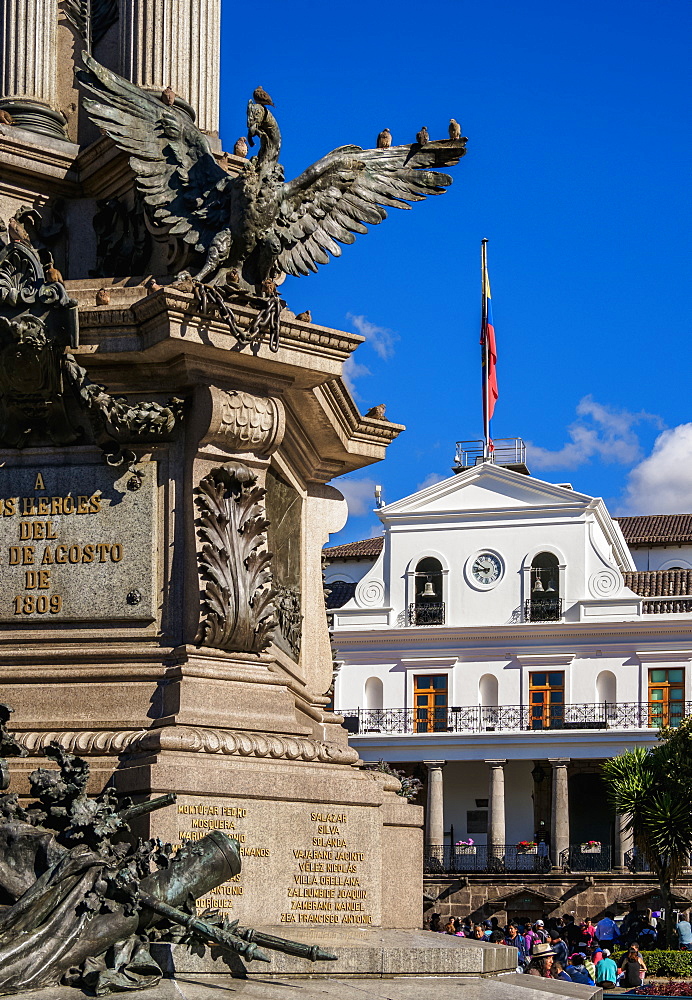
(301, 863)
(77, 543)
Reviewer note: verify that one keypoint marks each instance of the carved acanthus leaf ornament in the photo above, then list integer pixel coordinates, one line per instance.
(237, 599)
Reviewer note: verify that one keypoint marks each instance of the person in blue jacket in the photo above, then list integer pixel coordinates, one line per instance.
(577, 971)
(514, 938)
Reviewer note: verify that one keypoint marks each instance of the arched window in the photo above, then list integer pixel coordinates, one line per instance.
(487, 691)
(428, 607)
(544, 604)
(374, 693)
(488, 699)
(606, 687)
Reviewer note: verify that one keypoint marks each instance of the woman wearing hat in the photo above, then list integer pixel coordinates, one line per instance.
(542, 957)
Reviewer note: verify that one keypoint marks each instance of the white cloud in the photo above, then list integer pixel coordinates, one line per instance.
(662, 482)
(430, 480)
(379, 338)
(600, 431)
(359, 494)
(350, 371)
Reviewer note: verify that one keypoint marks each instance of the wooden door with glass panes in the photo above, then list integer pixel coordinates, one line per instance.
(666, 697)
(430, 701)
(547, 699)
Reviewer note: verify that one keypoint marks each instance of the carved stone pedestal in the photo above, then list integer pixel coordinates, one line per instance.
(161, 600)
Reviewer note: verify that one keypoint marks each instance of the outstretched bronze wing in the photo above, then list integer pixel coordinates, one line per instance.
(180, 180)
(350, 187)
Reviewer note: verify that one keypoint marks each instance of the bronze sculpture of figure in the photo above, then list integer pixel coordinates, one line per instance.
(79, 905)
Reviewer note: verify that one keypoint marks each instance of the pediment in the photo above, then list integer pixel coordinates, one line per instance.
(653, 899)
(485, 487)
(526, 896)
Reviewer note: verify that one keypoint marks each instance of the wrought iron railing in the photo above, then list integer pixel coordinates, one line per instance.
(579, 858)
(634, 862)
(499, 858)
(544, 609)
(426, 614)
(478, 719)
(667, 605)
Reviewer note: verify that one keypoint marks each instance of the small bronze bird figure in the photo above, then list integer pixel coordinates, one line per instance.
(18, 233)
(51, 272)
(260, 96)
(423, 137)
(240, 148)
(168, 97)
(384, 139)
(377, 411)
(454, 129)
(103, 297)
(305, 317)
(5, 117)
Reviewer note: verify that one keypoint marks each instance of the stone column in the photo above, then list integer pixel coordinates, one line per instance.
(28, 65)
(175, 43)
(559, 840)
(435, 825)
(496, 801)
(623, 841)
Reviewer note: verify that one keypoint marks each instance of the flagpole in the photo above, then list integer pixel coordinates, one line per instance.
(486, 353)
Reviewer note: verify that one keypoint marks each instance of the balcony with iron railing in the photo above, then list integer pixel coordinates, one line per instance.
(426, 614)
(497, 858)
(513, 718)
(511, 859)
(546, 609)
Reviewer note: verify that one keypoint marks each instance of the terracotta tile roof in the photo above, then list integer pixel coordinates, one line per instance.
(339, 593)
(657, 529)
(660, 582)
(367, 548)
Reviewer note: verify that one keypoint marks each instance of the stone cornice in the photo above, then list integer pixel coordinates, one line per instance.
(169, 323)
(193, 740)
(435, 636)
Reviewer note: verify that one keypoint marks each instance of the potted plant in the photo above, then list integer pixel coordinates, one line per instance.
(465, 847)
(527, 847)
(591, 847)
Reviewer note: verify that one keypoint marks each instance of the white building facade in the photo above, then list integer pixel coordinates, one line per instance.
(496, 644)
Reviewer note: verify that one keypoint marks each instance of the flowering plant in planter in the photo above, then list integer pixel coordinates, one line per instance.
(526, 845)
(465, 846)
(591, 847)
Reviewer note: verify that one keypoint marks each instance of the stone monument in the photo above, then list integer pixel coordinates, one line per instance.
(166, 444)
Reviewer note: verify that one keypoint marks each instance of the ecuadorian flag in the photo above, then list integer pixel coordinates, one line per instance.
(489, 352)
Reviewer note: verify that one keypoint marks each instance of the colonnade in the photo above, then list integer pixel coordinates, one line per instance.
(162, 43)
(497, 836)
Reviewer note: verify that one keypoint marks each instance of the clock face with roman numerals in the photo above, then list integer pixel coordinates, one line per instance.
(486, 569)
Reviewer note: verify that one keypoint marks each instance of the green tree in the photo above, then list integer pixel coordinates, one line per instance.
(653, 788)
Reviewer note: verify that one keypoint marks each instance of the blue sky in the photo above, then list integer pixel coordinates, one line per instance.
(577, 173)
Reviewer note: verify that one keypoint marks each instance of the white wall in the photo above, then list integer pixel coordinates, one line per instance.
(466, 781)
(349, 570)
(464, 671)
(662, 557)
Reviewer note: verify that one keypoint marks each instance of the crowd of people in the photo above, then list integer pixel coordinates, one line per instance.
(561, 948)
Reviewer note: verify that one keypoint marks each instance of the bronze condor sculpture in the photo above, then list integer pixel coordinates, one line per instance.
(256, 226)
